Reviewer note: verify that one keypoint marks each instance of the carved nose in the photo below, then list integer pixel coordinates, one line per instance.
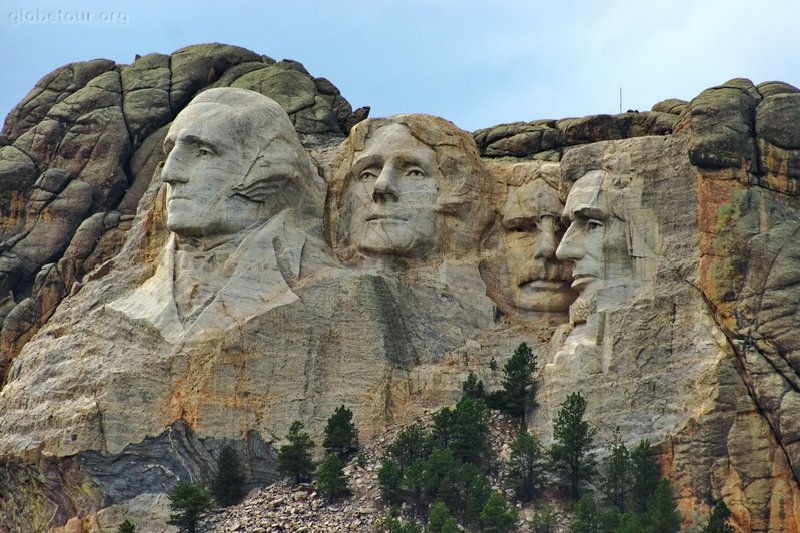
(385, 188)
(570, 248)
(545, 246)
(170, 172)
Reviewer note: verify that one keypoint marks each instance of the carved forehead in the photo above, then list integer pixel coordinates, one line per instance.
(395, 141)
(587, 196)
(532, 199)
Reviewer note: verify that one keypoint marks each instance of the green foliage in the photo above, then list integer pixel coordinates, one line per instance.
(227, 487)
(438, 515)
(390, 480)
(519, 385)
(645, 477)
(478, 489)
(294, 459)
(570, 455)
(450, 526)
(126, 527)
(662, 514)
(389, 523)
(440, 477)
(544, 520)
(587, 516)
(497, 515)
(330, 478)
(525, 466)
(629, 523)
(341, 435)
(718, 521)
(473, 388)
(617, 482)
(464, 430)
(410, 445)
(188, 501)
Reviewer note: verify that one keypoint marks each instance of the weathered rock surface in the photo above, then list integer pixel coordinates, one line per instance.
(690, 340)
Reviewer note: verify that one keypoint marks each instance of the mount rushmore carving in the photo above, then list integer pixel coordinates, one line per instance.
(288, 256)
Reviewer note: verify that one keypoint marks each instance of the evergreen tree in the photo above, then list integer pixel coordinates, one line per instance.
(464, 430)
(126, 527)
(294, 459)
(389, 523)
(497, 515)
(330, 478)
(588, 517)
(718, 521)
(662, 514)
(478, 489)
(341, 435)
(570, 454)
(629, 523)
(617, 482)
(227, 487)
(188, 501)
(473, 388)
(544, 520)
(645, 477)
(440, 477)
(438, 516)
(410, 445)
(450, 526)
(519, 384)
(525, 466)
(390, 479)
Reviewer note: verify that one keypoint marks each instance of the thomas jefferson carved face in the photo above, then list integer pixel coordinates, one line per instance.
(393, 194)
(532, 230)
(226, 172)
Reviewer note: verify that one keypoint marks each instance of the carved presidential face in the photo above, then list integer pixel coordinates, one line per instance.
(207, 156)
(532, 231)
(393, 194)
(595, 241)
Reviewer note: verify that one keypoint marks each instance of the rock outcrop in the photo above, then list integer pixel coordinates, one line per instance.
(650, 259)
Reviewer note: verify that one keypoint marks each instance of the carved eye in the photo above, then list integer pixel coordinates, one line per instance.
(367, 175)
(204, 152)
(415, 173)
(593, 225)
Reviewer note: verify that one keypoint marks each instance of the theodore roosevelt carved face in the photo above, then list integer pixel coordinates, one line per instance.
(538, 281)
(233, 160)
(408, 187)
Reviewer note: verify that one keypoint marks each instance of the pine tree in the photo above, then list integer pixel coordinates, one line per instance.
(718, 521)
(188, 501)
(227, 487)
(497, 515)
(587, 516)
(662, 514)
(410, 445)
(330, 478)
(341, 435)
(450, 526)
(519, 383)
(464, 430)
(126, 527)
(473, 387)
(478, 490)
(570, 454)
(525, 466)
(438, 516)
(617, 482)
(390, 479)
(645, 477)
(294, 459)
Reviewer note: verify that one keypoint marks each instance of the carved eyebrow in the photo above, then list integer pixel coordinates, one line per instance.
(197, 141)
(591, 212)
(372, 160)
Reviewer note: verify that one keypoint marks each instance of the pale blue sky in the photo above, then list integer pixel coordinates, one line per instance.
(477, 63)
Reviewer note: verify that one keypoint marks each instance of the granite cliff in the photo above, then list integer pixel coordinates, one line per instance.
(649, 258)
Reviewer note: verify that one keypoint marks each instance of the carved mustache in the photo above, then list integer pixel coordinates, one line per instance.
(547, 270)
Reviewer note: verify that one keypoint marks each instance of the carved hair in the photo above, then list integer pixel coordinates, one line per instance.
(462, 201)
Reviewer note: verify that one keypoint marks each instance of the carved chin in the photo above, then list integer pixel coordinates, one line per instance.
(392, 237)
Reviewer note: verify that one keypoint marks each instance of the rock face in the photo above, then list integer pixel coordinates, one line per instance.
(270, 267)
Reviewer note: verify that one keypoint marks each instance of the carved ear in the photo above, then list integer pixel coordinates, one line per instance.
(258, 184)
